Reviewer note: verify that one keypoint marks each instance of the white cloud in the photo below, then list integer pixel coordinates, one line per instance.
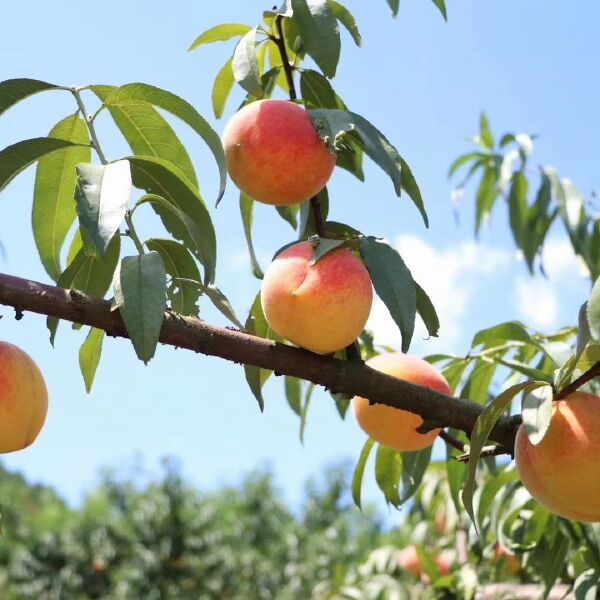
(537, 303)
(447, 275)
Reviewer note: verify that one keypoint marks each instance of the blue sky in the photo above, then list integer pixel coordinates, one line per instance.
(530, 65)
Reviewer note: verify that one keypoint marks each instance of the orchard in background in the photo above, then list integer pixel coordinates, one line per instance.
(317, 292)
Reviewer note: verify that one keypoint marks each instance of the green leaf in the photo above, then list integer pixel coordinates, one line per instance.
(161, 179)
(394, 5)
(584, 334)
(477, 385)
(220, 33)
(317, 91)
(509, 331)
(180, 265)
(463, 160)
(586, 585)
(350, 158)
(485, 133)
(334, 126)
(483, 426)
(518, 209)
(388, 469)
(393, 283)
(442, 8)
(140, 293)
(289, 214)
(293, 394)
(310, 388)
(555, 553)
(148, 133)
(245, 65)
(53, 207)
(323, 247)
(19, 156)
(221, 302)
(427, 311)
(456, 473)
(593, 311)
(409, 185)
(222, 88)
(414, 465)
(13, 91)
(320, 33)
(306, 224)
(142, 92)
(89, 356)
(536, 411)
(102, 193)
(486, 196)
(359, 471)
(246, 210)
(345, 17)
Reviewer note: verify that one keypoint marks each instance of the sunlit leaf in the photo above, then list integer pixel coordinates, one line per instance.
(359, 471)
(220, 33)
(345, 17)
(246, 210)
(536, 411)
(89, 356)
(388, 470)
(13, 91)
(245, 65)
(222, 87)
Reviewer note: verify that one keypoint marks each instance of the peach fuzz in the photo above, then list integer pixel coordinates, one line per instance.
(393, 427)
(274, 153)
(563, 471)
(23, 399)
(323, 307)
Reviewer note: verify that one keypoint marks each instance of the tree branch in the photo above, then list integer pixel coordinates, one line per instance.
(349, 377)
(590, 374)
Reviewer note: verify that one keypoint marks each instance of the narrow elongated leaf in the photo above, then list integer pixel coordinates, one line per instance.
(160, 178)
(13, 91)
(586, 585)
(89, 356)
(388, 469)
(53, 210)
(324, 247)
(393, 283)
(293, 394)
(394, 5)
(517, 207)
(246, 210)
(180, 265)
(485, 133)
(477, 385)
(245, 65)
(409, 185)
(509, 331)
(222, 88)
(289, 214)
(427, 311)
(593, 311)
(583, 329)
(310, 388)
(486, 196)
(140, 293)
(148, 133)
(346, 18)
(359, 471)
(414, 465)
(484, 424)
(320, 33)
(220, 33)
(463, 160)
(102, 194)
(441, 4)
(19, 156)
(135, 92)
(536, 411)
(306, 221)
(222, 304)
(555, 555)
(317, 91)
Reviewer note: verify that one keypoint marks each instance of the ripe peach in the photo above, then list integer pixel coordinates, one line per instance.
(562, 471)
(274, 154)
(393, 427)
(323, 307)
(409, 561)
(23, 399)
(511, 563)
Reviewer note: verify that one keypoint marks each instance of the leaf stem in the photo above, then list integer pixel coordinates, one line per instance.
(132, 233)
(90, 125)
(590, 374)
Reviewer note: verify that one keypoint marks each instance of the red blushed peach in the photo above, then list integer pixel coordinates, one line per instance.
(563, 471)
(323, 307)
(274, 154)
(409, 561)
(393, 427)
(23, 399)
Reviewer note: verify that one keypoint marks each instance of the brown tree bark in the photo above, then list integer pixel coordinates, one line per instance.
(350, 377)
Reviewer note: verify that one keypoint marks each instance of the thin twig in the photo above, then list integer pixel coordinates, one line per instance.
(590, 374)
(452, 441)
(90, 125)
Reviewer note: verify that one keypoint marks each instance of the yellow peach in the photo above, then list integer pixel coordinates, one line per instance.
(321, 307)
(274, 154)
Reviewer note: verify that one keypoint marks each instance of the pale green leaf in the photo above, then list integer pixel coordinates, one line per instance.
(220, 33)
(89, 356)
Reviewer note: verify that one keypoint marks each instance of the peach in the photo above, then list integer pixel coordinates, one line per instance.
(274, 154)
(323, 307)
(562, 472)
(23, 399)
(409, 561)
(393, 427)
(510, 562)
